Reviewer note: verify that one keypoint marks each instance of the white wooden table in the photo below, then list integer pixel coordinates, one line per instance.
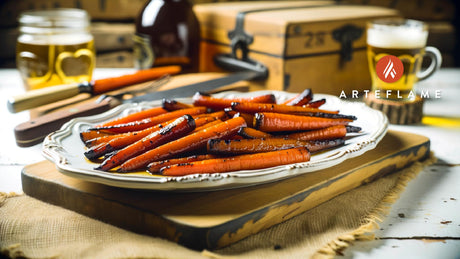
(423, 223)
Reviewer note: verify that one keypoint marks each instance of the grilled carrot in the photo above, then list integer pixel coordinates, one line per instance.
(155, 167)
(336, 131)
(149, 122)
(140, 115)
(332, 132)
(300, 99)
(173, 105)
(276, 122)
(174, 130)
(247, 146)
(200, 99)
(207, 125)
(92, 134)
(251, 133)
(278, 108)
(249, 118)
(185, 144)
(241, 162)
(124, 139)
(315, 104)
(320, 145)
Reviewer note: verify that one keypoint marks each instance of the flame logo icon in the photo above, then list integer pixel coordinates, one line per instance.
(389, 69)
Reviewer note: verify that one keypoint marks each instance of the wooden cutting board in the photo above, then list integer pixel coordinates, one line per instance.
(219, 218)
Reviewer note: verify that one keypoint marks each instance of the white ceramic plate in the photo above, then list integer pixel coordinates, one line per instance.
(65, 149)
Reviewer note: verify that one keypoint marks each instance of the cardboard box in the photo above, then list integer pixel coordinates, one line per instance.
(304, 44)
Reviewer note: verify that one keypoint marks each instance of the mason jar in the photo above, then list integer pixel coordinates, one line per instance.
(54, 47)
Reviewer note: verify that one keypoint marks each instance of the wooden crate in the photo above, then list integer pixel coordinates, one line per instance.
(299, 41)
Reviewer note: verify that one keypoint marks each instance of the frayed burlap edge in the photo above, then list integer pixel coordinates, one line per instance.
(11, 251)
(371, 221)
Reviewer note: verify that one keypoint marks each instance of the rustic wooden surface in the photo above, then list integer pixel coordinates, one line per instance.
(205, 220)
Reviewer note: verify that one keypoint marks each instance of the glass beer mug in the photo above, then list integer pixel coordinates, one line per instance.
(395, 50)
(54, 47)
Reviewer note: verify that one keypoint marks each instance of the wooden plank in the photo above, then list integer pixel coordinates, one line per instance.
(212, 220)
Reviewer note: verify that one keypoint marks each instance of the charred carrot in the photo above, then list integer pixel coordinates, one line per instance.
(276, 122)
(337, 131)
(200, 99)
(320, 145)
(149, 122)
(300, 99)
(251, 133)
(117, 141)
(155, 167)
(241, 162)
(185, 144)
(248, 146)
(316, 104)
(174, 130)
(278, 108)
(249, 118)
(136, 116)
(92, 134)
(173, 105)
(207, 125)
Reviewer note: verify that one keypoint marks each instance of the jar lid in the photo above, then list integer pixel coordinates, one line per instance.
(61, 18)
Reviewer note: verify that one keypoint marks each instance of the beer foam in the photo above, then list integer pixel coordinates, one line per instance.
(56, 39)
(399, 37)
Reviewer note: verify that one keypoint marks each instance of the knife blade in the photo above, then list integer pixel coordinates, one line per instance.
(39, 97)
(34, 131)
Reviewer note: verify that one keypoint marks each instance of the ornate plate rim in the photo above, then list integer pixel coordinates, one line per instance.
(55, 151)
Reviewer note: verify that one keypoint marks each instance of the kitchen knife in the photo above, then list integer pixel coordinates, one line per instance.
(34, 131)
(35, 98)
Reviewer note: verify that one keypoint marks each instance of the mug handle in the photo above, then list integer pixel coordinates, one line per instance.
(436, 60)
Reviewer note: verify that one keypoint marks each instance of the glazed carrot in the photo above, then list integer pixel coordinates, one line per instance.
(249, 146)
(155, 167)
(300, 99)
(316, 104)
(92, 134)
(278, 108)
(174, 130)
(173, 105)
(276, 122)
(121, 140)
(336, 131)
(241, 162)
(200, 99)
(140, 115)
(251, 133)
(185, 144)
(149, 122)
(207, 125)
(106, 84)
(332, 132)
(249, 118)
(320, 145)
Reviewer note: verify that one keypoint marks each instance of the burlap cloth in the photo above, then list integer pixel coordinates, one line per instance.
(34, 229)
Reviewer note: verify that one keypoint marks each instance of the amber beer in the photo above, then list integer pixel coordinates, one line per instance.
(56, 63)
(54, 47)
(405, 39)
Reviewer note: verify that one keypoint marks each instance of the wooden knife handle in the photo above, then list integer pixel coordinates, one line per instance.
(34, 131)
(39, 97)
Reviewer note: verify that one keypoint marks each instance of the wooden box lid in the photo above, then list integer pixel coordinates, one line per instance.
(287, 28)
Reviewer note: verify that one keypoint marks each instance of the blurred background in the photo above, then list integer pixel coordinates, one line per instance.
(113, 25)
